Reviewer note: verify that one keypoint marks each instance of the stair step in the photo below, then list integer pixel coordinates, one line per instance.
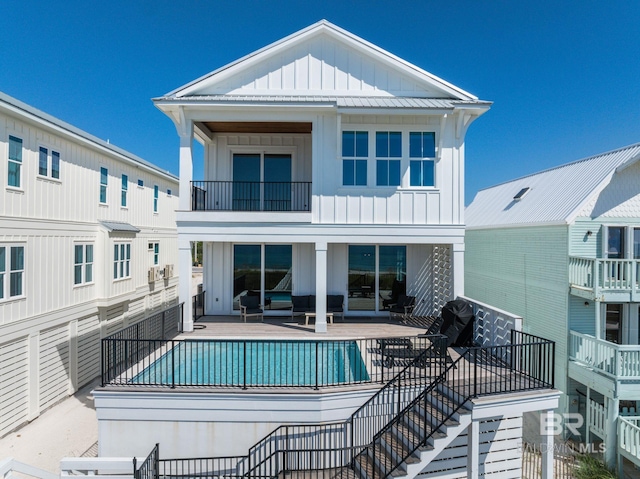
(398, 446)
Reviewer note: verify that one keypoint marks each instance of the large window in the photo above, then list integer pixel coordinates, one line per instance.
(121, 260)
(83, 264)
(388, 145)
(104, 180)
(422, 153)
(11, 271)
(355, 152)
(377, 276)
(49, 163)
(272, 283)
(154, 249)
(15, 161)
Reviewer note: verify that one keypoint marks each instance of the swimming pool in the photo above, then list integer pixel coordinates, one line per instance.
(257, 363)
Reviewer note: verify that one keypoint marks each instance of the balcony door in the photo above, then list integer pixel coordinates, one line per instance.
(622, 323)
(261, 182)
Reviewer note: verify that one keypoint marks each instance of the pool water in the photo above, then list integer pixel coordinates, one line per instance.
(257, 363)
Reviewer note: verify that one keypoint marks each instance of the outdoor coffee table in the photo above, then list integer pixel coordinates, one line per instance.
(310, 314)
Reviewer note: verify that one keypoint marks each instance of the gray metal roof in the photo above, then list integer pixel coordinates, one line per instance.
(119, 227)
(556, 195)
(338, 101)
(12, 104)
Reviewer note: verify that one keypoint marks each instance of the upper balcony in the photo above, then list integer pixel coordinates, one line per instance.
(607, 280)
(272, 196)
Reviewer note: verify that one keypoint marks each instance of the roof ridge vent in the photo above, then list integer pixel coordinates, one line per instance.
(522, 193)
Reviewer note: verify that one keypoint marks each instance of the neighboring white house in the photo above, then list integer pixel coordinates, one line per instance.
(81, 224)
(331, 167)
(561, 248)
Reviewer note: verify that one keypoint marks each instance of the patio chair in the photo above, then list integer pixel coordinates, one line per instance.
(302, 304)
(250, 306)
(403, 308)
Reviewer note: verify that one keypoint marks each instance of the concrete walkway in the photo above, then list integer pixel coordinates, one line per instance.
(69, 429)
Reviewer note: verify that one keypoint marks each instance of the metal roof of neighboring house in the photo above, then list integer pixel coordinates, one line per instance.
(556, 195)
(119, 227)
(338, 101)
(12, 104)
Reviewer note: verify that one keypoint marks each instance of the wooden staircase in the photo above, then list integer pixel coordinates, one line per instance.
(406, 438)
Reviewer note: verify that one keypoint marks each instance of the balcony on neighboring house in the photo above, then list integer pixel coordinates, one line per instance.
(615, 367)
(271, 196)
(608, 280)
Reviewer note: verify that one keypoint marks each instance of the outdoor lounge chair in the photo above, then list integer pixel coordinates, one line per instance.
(302, 304)
(250, 306)
(404, 306)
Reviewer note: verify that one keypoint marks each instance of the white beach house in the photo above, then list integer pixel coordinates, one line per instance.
(330, 167)
(82, 225)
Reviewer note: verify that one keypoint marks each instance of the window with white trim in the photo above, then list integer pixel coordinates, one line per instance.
(156, 190)
(422, 155)
(104, 180)
(154, 249)
(140, 183)
(11, 271)
(83, 264)
(125, 188)
(49, 163)
(121, 260)
(388, 147)
(355, 153)
(168, 192)
(15, 162)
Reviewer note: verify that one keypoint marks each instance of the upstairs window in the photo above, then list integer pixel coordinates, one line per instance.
(140, 183)
(15, 161)
(83, 264)
(388, 145)
(11, 264)
(46, 159)
(121, 260)
(168, 192)
(104, 179)
(355, 151)
(422, 154)
(125, 188)
(154, 249)
(155, 198)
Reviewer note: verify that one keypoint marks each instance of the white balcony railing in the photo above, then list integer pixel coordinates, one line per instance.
(602, 275)
(629, 437)
(613, 360)
(597, 418)
(492, 326)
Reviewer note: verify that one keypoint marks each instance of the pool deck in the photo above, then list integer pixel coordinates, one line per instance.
(285, 327)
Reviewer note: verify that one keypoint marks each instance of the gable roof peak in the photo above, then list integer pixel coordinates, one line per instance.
(324, 26)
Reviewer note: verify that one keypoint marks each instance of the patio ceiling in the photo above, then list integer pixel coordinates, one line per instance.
(257, 127)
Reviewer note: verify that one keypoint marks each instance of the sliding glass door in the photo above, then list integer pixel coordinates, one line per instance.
(264, 271)
(376, 277)
(261, 182)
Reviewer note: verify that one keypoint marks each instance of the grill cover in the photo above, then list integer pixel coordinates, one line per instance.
(457, 322)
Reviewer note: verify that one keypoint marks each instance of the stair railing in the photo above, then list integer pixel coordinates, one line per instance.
(273, 454)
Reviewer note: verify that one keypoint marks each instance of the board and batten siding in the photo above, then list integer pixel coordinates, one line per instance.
(50, 336)
(321, 65)
(524, 271)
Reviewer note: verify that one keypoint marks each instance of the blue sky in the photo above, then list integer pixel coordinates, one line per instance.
(564, 76)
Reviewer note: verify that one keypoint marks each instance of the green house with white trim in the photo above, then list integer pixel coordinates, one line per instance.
(561, 248)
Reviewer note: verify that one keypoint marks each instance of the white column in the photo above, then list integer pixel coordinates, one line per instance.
(186, 167)
(321, 287)
(184, 262)
(473, 450)
(546, 443)
(611, 432)
(458, 269)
